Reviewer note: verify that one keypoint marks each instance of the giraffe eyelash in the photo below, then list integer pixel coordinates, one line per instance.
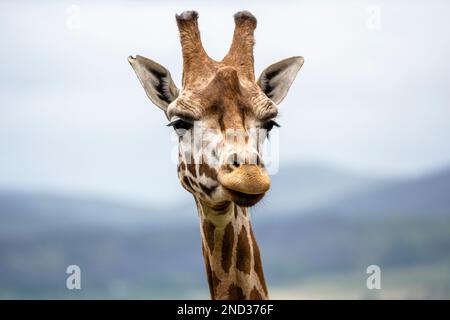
(180, 126)
(268, 125)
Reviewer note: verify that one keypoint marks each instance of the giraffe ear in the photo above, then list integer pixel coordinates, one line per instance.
(156, 80)
(277, 78)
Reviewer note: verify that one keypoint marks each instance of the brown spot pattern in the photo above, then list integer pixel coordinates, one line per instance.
(243, 254)
(209, 273)
(208, 171)
(258, 265)
(191, 168)
(254, 295)
(193, 182)
(187, 183)
(208, 231)
(215, 280)
(235, 292)
(227, 247)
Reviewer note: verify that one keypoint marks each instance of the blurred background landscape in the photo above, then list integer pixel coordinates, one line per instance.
(86, 175)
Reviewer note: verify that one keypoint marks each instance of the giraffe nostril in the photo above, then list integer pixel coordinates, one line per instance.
(233, 161)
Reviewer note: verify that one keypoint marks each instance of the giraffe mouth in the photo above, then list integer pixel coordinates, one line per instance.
(244, 199)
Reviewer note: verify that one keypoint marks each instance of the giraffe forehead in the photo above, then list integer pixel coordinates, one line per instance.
(231, 94)
(229, 114)
(225, 95)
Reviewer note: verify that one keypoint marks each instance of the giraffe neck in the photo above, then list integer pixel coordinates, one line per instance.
(232, 258)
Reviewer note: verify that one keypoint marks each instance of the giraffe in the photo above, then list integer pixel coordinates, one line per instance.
(219, 100)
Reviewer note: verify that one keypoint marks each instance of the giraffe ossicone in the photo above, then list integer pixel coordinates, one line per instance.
(222, 110)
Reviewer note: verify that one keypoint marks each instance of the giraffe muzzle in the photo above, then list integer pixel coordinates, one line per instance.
(246, 184)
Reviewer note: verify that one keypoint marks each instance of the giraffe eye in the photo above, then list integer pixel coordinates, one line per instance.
(269, 125)
(180, 126)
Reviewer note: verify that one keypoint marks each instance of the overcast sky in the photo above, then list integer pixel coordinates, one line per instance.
(372, 96)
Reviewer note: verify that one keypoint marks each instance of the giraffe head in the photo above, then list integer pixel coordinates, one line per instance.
(221, 114)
